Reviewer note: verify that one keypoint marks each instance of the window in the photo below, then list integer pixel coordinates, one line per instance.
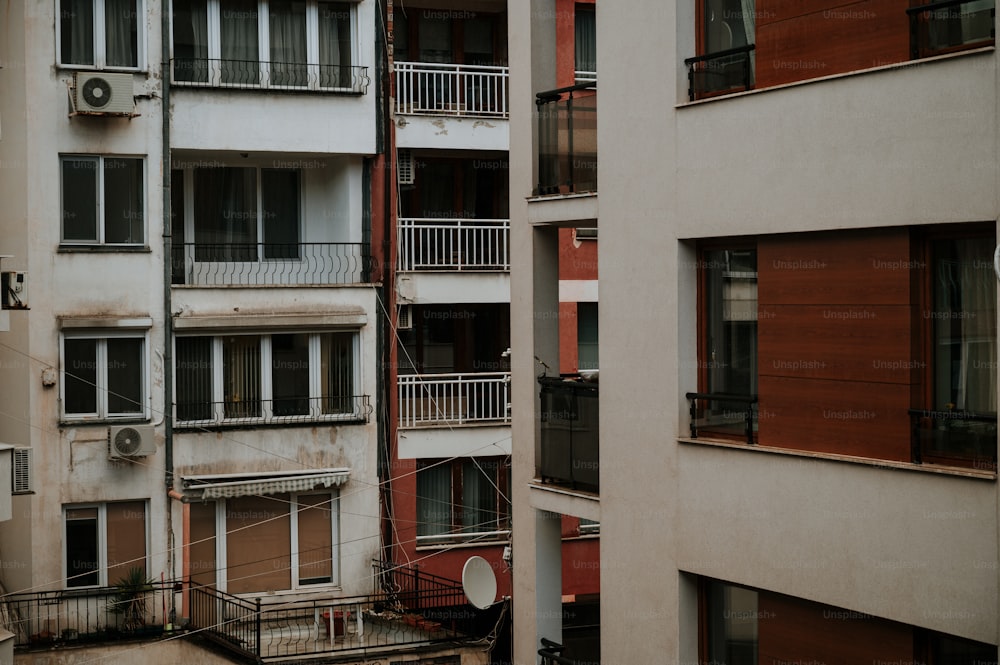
(99, 33)
(731, 617)
(245, 43)
(285, 541)
(585, 44)
(102, 200)
(950, 27)
(725, 39)
(466, 498)
(103, 541)
(586, 335)
(264, 378)
(104, 377)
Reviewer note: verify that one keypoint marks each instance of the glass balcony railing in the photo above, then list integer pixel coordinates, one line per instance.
(721, 72)
(567, 140)
(720, 414)
(570, 432)
(951, 25)
(954, 438)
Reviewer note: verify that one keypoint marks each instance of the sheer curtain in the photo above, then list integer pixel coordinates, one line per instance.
(977, 388)
(335, 45)
(121, 33)
(240, 51)
(287, 30)
(225, 214)
(191, 40)
(76, 25)
(586, 41)
(434, 500)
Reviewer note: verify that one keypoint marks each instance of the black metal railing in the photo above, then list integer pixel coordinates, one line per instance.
(959, 438)
(567, 140)
(570, 432)
(727, 417)
(950, 25)
(253, 74)
(722, 71)
(271, 264)
(86, 616)
(551, 653)
(283, 411)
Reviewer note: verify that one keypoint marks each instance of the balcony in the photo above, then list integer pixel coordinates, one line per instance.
(271, 264)
(567, 140)
(570, 437)
(284, 411)
(953, 25)
(723, 415)
(454, 399)
(454, 244)
(452, 90)
(275, 76)
(954, 438)
(719, 73)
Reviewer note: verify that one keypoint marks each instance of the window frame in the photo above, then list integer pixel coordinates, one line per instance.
(457, 508)
(101, 389)
(102, 540)
(100, 240)
(266, 387)
(100, 43)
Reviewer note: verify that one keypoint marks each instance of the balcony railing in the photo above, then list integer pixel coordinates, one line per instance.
(454, 244)
(951, 25)
(453, 399)
(255, 75)
(460, 90)
(85, 616)
(723, 414)
(958, 438)
(567, 140)
(284, 411)
(271, 264)
(570, 432)
(723, 71)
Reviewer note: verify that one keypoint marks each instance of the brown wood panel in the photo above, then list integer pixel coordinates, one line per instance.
(843, 342)
(868, 267)
(831, 41)
(844, 417)
(773, 11)
(792, 630)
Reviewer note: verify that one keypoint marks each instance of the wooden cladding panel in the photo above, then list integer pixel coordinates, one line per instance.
(842, 417)
(817, 40)
(792, 630)
(839, 268)
(867, 343)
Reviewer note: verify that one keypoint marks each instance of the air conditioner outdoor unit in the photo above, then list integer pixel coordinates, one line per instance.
(405, 321)
(404, 167)
(130, 441)
(14, 290)
(109, 93)
(21, 471)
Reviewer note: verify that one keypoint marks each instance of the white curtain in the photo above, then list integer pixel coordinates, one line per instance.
(335, 45)
(586, 41)
(287, 29)
(191, 40)
(121, 37)
(240, 53)
(977, 389)
(77, 26)
(434, 500)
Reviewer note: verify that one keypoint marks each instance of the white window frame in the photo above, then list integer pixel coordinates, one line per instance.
(101, 230)
(214, 29)
(266, 380)
(102, 375)
(102, 540)
(221, 539)
(100, 40)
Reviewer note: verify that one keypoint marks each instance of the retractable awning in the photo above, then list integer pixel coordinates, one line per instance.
(232, 485)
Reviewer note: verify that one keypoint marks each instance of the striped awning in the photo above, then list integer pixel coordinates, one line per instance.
(254, 484)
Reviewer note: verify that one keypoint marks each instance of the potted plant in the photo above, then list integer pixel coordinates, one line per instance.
(131, 595)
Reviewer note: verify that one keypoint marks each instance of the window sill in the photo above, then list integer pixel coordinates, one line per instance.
(103, 249)
(847, 459)
(103, 422)
(905, 64)
(94, 68)
(465, 542)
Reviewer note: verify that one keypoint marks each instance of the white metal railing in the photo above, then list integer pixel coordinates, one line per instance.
(465, 90)
(453, 399)
(585, 77)
(453, 244)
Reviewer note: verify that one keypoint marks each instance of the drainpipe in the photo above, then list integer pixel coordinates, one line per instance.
(168, 323)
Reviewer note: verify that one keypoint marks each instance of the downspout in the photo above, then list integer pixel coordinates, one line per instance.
(168, 323)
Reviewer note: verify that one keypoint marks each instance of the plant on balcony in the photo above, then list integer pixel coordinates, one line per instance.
(131, 596)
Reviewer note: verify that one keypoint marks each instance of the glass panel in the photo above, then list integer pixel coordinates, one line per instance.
(434, 509)
(238, 36)
(258, 544)
(337, 372)
(81, 376)
(478, 38)
(585, 44)
(479, 499)
(279, 189)
(732, 624)
(335, 51)
(121, 46)
(586, 335)
(290, 374)
(76, 32)
(241, 376)
(400, 36)
(315, 539)
(124, 216)
(287, 32)
(966, 23)
(194, 378)
(190, 40)
(125, 376)
(225, 214)
(82, 557)
(126, 538)
(179, 253)
(728, 24)
(79, 198)
(434, 38)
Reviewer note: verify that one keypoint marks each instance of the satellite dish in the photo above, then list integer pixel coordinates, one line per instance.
(479, 582)
(996, 261)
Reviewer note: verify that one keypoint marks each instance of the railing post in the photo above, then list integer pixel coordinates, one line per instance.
(693, 410)
(749, 424)
(257, 629)
(569, 140)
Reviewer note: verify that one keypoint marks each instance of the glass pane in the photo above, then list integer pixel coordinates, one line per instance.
(731, 321)
(225, 214)
(287, 31)
(435, 38)
(179, 254)
(126, 538)
(290, 374)
(76, 32)
(732, 624)
(335, 51)
(479, 499)
(728, 24)
(434, 508)
(81, 376)
(478, 38)
(125, 376)
(190, 40)
(240, 54)
(279, 189)
(585, 44)
(586, 335)
(315, 544)
(241, 376)
(337, 372)
(79, 198)
(121, 46)
(194, 378)
(124, 210)
(82, 558)
(400, 36)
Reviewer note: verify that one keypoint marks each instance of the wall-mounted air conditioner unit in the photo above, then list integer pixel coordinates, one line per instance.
(21, 471)
(130, 441)
(14, 290)
(404, 167)
(405, 320)
(103, 93)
